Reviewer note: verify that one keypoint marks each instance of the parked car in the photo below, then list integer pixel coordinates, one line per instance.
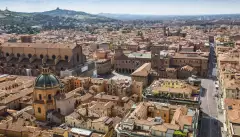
(217, 84)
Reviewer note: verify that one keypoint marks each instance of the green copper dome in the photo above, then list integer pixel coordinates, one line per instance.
(46, 81)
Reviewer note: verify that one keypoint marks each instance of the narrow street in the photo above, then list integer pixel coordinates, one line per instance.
(210, 125)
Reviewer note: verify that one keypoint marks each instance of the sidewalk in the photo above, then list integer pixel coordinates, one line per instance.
(221, 117)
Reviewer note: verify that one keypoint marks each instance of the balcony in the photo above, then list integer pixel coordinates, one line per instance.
(49, 101)
(39, 102)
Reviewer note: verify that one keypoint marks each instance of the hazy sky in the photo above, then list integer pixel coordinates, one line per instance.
(156, 7)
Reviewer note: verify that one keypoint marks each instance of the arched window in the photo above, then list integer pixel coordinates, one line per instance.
(78, 58)
(39, 110)
(53, 57)
(7, 54)
(13, 65)
(29, 55)
(18, 55)
(49, 97)
(41, 56)
(66, 57)
(40, 97)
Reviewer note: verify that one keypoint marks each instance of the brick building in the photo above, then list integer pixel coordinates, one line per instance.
(26, 58)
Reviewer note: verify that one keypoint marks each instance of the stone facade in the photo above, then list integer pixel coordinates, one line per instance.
(164, 63)
(27, 58)
(142, 74)
(51, 102)
(103, 66)
(162, 60)
(129, 63)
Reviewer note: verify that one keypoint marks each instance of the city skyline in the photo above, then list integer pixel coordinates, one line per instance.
(150, 7)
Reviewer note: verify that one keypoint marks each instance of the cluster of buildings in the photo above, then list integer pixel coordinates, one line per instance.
(174, 91)
(227, 58)
(87, 106)
(25, 57)
(156, 119)
(171, 56)
(51, 89)
(84, 106)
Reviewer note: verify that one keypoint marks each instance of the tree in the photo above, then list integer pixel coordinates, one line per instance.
(140, 33)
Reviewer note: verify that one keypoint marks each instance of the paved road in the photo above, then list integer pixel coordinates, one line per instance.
(212, 60)
(120, 76)
(209, 104)
(210, 125)
(114, 75)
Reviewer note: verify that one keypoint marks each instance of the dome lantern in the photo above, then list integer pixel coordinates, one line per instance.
(46, 80)
(45, 69)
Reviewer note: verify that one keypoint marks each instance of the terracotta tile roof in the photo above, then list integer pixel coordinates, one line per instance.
(235, 103)
(106, 97)
(143, 70)
(234, 116)
(231, 84)
(227, 58)
(171, 126)
(191, 56)
(16, 96)
(2, 107)
(187, 68)
(186, 90)
(41, 45)
(171, 69)
(165, 126)
(233, 110)
(160, 128)
(85, 97)
(185, 120)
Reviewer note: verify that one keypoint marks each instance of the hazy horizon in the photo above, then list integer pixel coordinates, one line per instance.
(134, 7)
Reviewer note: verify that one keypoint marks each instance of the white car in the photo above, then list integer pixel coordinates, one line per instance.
(216, 84)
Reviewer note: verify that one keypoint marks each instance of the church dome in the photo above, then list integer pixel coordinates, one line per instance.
(46, 81)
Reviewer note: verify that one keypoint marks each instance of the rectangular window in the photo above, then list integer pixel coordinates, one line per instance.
(39, 110)
(40, 97)
(49, 97)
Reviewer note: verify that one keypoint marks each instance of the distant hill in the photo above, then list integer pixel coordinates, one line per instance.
(20, 22)
(76, 15)
(128, 17)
